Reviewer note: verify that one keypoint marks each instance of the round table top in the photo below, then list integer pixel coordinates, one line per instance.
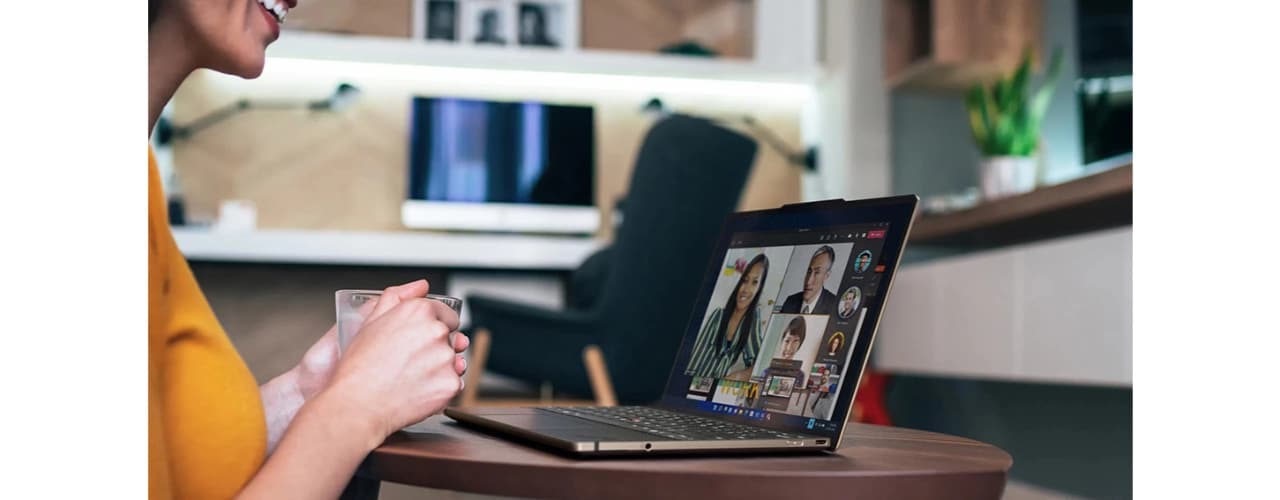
(874, 462)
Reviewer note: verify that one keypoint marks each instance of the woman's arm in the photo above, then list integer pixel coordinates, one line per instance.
(285, 394)
(319, 453)
(281, 401)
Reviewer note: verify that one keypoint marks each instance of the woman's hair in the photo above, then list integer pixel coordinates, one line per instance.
(731, 304)
(795, 327)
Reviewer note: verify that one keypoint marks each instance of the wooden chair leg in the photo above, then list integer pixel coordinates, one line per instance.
(598, 374)
(475, 366)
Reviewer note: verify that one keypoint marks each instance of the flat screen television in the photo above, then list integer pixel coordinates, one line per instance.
(483, 165)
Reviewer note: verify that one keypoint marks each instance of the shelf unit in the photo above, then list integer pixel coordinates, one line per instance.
(370, 248)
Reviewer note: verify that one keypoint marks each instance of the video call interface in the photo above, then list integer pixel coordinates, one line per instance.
(776, 340)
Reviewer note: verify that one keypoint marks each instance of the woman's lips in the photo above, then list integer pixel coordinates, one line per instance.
(271, 21)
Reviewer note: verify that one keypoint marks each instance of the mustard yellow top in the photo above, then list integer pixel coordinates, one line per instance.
(207, 434)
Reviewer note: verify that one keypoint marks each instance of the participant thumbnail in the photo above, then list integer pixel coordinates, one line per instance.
(832, 346)
(700, 388)
(862, 262)
(849, 302)
(813, 272)
(737, 393)
(728, 342)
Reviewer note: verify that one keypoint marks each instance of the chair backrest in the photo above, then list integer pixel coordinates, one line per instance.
(688, 177)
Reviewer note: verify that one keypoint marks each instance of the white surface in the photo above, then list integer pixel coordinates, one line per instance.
(848, 118)
(387, 248)
(1058, 311)
(657, 71)
(786, 33)
(419, 214)
(536, 290)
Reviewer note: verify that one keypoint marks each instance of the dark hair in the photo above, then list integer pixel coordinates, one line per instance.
(831, 253)
(153, 8)
(795, 327)
(733, 297)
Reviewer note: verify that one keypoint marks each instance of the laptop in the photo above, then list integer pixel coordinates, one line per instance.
(774, 350)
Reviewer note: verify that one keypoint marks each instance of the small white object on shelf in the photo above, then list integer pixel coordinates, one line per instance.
(236, 215)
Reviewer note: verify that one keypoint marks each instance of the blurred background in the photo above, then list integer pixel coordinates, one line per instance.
(492, 146)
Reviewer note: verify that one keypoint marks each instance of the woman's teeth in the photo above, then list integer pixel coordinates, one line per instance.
(277, 8)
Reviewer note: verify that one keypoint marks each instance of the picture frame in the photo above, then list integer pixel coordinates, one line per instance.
(437, 21)
(516, 25)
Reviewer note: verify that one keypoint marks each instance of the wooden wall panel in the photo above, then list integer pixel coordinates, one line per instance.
(726, 26)
(367, 17)
(348, 170)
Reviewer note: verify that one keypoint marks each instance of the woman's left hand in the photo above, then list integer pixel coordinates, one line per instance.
(320, 361)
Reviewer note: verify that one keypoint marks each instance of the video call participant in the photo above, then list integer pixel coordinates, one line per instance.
(863, 262)
(730, 339)
(835, 343)
(849, 302)
(814, 298)
(784, 363)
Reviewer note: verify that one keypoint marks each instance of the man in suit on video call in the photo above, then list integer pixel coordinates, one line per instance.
(814, 299)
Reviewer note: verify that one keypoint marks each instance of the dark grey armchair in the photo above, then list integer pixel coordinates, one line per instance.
(689, 175)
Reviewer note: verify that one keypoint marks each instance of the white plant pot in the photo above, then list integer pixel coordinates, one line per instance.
(1004, 176)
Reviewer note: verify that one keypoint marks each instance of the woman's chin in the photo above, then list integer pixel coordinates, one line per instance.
(247, 66)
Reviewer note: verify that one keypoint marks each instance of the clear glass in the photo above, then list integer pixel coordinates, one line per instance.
(354, 306)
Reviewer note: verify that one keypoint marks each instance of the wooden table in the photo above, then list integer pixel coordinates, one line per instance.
(875, 462)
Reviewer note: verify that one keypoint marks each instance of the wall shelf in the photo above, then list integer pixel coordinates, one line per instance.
(400, 51)
(1099, 201)
(367, 248)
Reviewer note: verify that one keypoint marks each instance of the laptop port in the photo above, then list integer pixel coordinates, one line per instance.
(648, 446)
(822, 441)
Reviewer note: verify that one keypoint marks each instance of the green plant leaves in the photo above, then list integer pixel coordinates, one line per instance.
(1005, 116)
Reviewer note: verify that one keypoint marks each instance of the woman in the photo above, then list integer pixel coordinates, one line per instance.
(212, 432)
(730, 339)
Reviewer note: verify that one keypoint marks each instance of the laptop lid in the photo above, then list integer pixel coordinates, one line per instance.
(788, 312)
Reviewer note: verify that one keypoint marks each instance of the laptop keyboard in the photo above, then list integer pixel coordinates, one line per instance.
(670, 425)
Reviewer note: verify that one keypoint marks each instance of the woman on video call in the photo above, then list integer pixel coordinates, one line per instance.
(730, 339)
(212, 431)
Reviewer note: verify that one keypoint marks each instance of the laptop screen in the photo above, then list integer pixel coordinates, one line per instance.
(783, 329)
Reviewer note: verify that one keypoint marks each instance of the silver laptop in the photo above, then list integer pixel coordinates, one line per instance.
(772, 356)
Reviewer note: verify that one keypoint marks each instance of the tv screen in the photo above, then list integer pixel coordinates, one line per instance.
(476, 151)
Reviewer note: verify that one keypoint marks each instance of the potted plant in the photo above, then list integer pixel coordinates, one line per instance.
(1005, 118)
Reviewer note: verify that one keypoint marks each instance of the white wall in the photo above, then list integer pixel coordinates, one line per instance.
(849, 116)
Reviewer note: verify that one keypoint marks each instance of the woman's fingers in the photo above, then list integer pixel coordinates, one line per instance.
(460, 364)
(393, 296)
(460, 342)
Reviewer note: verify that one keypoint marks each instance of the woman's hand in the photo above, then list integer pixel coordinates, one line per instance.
(401, 366)
(318, 364)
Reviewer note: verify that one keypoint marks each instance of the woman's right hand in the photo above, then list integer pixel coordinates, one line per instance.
(401, 367)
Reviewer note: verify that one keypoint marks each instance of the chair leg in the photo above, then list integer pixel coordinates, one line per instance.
(598, 374)
(475, 367)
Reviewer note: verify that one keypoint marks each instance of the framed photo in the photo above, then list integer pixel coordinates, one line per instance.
(436, 20)
(544, 25)
(541, 23)
(488, 23)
